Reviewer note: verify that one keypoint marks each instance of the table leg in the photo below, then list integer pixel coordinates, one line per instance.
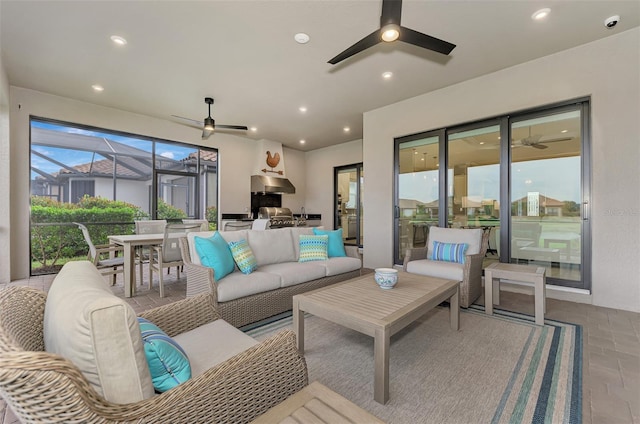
(454, 310)
(488, 291)
(129, 270)
(381, 365)
(298, 325)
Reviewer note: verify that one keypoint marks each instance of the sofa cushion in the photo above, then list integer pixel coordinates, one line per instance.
(337, 266)
(292, 273)
(237, 284)
(168, 362)
(471, 236)
(313, 248)
(243, 256)
(272, 246)
(97, 331)
(212, 344)
(448, 270)
(336, 243)
(449, 252)
(295, 235)
(215, 253)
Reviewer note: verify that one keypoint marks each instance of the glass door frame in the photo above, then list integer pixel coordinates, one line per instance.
(359, 168)
(583, 106)
(157, 174)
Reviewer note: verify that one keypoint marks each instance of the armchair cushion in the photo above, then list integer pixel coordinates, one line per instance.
(168, 363)
(449, 252)
(212, 344)
(439, 269)
(473, 237)
(97, 331)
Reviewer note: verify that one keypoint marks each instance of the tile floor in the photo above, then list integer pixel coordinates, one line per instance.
(611, 356)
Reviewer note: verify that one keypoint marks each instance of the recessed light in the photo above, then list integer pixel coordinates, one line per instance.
(481, 143)
(387, 75)
(97, 87)
(302, 109)
(301, 38)
(302, 141)
(118, 40)
(346, 129)
(564, 131)
(540, 14)
(253, 129)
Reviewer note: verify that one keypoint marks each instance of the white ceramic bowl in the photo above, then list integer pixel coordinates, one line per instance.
(386, 277)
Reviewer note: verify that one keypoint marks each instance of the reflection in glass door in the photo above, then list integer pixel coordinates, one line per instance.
(176, 195)
(417, 188)
(547, 194)
(349, 181)
(473, 181)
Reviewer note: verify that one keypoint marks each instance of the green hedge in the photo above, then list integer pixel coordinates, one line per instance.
(54, 237)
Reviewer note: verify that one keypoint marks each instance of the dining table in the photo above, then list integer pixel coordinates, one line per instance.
(129, 243)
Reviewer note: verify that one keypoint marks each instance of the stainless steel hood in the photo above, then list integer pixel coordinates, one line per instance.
(266, 184)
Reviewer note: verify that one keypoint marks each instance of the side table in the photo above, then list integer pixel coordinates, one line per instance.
(521, 273)
(316, 404)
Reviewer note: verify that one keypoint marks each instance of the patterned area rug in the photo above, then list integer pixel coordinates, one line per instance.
(500, 369)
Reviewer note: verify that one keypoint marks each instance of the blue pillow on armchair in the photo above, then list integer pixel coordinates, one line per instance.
(449, 252)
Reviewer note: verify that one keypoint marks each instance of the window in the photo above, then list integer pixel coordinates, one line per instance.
(106, 180)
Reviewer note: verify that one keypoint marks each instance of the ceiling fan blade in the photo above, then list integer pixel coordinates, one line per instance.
(368, 41)
(189, 119)
(538, 146)
(391, 12)
(206, 134)
(425, 41)
(232, 127)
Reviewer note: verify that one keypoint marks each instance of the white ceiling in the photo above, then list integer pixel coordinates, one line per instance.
(244, 55)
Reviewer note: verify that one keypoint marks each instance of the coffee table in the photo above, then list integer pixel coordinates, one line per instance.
(359, 304)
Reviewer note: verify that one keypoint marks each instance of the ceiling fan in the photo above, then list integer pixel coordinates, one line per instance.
(209, 125)
(390, 30)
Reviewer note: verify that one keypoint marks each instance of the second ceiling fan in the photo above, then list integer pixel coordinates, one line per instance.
(391, 30)
(209, 125)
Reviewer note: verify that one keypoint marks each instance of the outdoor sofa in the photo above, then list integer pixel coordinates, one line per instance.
(242, 299)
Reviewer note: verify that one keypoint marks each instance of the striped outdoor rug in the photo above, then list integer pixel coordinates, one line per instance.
(501, 369)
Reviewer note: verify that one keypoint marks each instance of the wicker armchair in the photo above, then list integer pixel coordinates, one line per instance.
(43, 387)
(471, 281)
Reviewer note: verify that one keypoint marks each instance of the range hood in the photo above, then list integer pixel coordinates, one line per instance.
(266, 184)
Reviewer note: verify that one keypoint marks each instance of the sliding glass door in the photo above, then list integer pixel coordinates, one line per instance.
(523, 178)
(547, 193)
(349, 181)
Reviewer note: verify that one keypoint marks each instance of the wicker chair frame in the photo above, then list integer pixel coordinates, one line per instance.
(471, 284)
(41, 387)
(256, 307)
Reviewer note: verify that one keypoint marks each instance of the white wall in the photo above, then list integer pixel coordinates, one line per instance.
(608, 70)
(5, 195)
(320, 164)
(234, 175)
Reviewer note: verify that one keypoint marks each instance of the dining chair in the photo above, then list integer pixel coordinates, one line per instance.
(102, 255)
(204, 224)
(168, 253)
(237, 225)
(148, 226)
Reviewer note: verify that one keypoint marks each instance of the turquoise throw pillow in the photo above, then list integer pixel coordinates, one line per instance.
(243, 255)
(313, 248)
(336, 244)
(449, 252)
(168, 363)
(214, 253)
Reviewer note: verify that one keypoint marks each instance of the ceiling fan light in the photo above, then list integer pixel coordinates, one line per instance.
(209, 124)
(390, 32)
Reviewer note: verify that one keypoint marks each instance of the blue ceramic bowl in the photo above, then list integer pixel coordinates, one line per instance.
(386, 277)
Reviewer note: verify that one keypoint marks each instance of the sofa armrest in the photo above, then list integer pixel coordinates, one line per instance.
(200, 279)
(235, 391)
(353, 252)
(183, 315)
(414, 254)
